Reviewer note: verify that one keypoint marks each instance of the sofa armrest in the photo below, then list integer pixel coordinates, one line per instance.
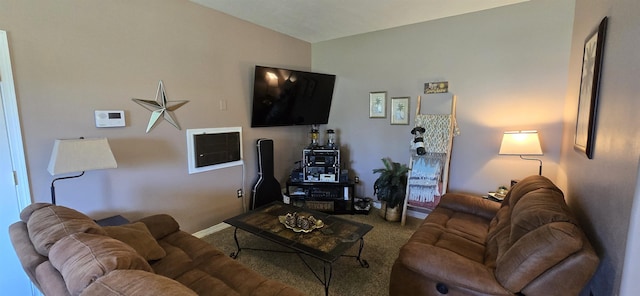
(160, 225)
(449, 268)
(467, 203)
(27, 254)
(50, 280)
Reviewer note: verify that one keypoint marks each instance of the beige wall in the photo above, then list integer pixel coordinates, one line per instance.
(71, 57)
(602, 189)
(515, 67)
(507, 66)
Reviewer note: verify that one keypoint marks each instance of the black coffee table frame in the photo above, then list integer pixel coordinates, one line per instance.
(344, 233)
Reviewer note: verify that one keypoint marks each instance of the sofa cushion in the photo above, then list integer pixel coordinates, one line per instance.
(535, 209)
(82, 258)
(460, 232)
(175, 263)
(527, 185)
(25, 214)
(204, 284)
(497, 236)
(135, 282)
(535, 253)
(137, 236)
(196, 248)
(160, 225)
(543, 233)
(50, 223)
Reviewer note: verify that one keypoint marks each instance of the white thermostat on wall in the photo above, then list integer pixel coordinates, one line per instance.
(109, 118)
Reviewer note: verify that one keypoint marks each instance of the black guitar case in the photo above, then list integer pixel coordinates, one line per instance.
(267, 188)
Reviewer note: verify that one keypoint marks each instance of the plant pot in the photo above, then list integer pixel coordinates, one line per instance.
(390, 214)
(383, 209)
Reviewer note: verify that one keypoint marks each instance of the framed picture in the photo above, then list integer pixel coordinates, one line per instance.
(436, 87)
(400, 110)
(378, 104)
(589, 87)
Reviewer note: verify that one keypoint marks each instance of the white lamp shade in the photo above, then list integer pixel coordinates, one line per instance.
(78, 155)
(520, 143)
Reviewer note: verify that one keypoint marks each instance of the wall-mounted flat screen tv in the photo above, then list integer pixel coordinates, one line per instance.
(289, 97)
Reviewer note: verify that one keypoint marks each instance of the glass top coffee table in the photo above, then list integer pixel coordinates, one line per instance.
(327, 243)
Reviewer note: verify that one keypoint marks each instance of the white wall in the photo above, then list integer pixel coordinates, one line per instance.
(508, 67)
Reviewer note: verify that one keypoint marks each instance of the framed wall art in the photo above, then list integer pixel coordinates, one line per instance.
(400, 110)
(378, 104)
(436, 87)
(589, 88)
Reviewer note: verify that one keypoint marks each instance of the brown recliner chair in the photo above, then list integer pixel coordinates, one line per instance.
(530, 244)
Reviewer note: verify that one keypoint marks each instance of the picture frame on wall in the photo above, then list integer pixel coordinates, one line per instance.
(437, 87)
(399, 110)
(589, 89)
(378, 104)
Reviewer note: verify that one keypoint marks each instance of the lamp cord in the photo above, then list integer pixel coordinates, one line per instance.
(53, 187)
(539, 160)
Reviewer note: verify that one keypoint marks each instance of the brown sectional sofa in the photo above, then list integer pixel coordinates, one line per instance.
(64, 252)
(530, 244)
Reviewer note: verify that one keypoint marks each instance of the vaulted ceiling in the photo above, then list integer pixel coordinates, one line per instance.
(320, 20)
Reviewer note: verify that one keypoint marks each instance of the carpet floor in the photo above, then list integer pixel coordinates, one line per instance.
(381, 246)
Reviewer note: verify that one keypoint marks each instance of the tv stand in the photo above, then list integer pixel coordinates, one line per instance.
(330, 197)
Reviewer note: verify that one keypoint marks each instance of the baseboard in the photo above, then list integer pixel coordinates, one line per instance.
(211, 230)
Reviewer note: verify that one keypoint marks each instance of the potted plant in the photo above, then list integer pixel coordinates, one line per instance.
(390, 188)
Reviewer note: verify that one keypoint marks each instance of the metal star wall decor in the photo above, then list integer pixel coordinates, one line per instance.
(161, 107)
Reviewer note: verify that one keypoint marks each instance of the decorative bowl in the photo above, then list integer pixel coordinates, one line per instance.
(299, 223)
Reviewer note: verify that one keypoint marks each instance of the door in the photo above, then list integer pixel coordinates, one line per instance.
(13, 280)
(13, 194)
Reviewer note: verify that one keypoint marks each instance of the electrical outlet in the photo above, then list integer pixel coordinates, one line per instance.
(239, 192)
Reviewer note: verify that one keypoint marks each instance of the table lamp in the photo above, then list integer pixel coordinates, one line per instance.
(79, 155)
(521, 143)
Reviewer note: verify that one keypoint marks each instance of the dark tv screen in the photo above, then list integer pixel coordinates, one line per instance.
(289, 97)
(217, 148)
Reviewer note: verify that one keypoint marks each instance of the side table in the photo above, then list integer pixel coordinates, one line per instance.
(113, 221)
(493, 197)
